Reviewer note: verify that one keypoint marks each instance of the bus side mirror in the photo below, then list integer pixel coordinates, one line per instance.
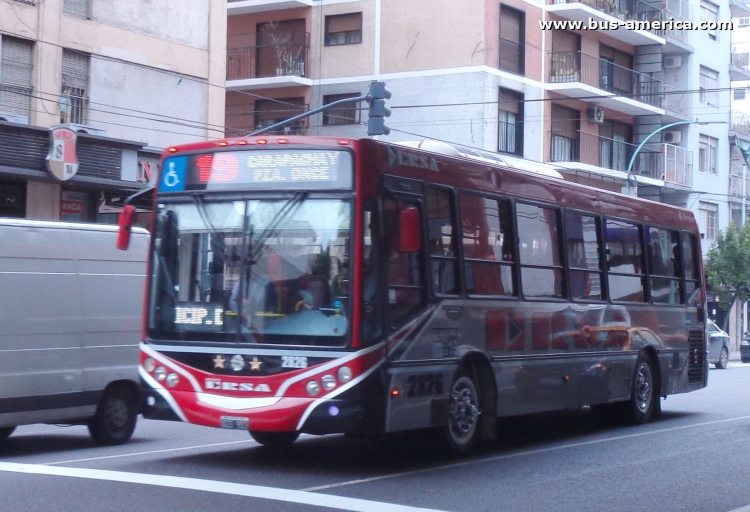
(408, 238)
(127, 216)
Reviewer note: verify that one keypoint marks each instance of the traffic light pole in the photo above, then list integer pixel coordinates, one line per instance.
(306, 114)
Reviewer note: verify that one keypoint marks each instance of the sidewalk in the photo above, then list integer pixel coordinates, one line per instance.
(734, 355)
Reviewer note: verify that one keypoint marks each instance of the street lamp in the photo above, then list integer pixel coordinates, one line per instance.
(629, 177)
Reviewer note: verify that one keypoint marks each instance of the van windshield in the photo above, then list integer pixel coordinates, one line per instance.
(255, 271)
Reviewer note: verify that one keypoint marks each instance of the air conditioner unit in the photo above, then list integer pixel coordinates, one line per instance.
(672, 61)
(671, 136)
(13, 118)
(596, 115)
(82, 128)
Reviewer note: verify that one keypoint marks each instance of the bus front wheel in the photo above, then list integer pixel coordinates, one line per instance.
(275, 439)
(463, 412)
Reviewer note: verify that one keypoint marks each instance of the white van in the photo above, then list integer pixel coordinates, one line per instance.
(70, 323)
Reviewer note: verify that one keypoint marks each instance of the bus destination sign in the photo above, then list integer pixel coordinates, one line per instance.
(287, 169)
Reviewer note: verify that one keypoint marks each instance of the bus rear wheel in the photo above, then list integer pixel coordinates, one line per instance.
(463, 413)
(644, 396)
(275, 439)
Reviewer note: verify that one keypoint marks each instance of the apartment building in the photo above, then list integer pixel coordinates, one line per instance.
(126, 78)
(483, 74)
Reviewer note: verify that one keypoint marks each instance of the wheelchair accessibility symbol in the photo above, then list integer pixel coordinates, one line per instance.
(173, 178)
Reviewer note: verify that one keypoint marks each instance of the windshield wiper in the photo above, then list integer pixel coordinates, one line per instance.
(272, 227)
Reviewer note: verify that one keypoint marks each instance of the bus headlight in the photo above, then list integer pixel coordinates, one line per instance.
(313, 388)
(160, 373)
(172, 380)
(149, 364)
(328, 381)
(344, 374)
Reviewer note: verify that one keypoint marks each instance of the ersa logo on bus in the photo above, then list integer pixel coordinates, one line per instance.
(409, 159)
(237, 386)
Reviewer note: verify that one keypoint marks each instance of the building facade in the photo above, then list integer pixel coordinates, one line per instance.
(486, 75)
(127, 78)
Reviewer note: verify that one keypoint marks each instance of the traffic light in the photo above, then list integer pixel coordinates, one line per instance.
(378, 111)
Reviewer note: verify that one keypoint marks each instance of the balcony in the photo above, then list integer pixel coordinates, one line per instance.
(251, 6)
(668, 163)
(677, 40)
(268, 60)
(511, 56)
(739, 8)
(578, 75)
(739, 122)
(297, 128)
(739, 66)
(593, 150)
(676, 104)
(611, 11)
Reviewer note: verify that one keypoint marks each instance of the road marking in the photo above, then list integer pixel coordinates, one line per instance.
(166, 450)
(520, 454)
(196, 484)
(742, 509)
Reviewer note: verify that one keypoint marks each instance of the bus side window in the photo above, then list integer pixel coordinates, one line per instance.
(624, 261)
(539, 251)
(584, 260)
(487, 242)
(693, 294)
(406, 290)
(665, 265)
(441, 235)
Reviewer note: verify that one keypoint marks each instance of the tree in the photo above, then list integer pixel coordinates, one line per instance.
(728, 266)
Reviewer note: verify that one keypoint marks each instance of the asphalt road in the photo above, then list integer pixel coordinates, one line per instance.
(696, 457)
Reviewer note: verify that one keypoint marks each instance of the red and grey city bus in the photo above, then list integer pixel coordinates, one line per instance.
(320, 285)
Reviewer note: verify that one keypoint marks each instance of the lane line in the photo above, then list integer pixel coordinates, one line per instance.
(195, 484)
(135, 454)
(519, 454)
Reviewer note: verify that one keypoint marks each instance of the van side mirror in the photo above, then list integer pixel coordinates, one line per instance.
(127, 216)
(408, 237)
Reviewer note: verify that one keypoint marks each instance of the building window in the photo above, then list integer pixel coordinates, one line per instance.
(74, 96)
(270, 112)
(346, 113)
(709, 82)
(344, 29)
(708, 216)
(740, 94)
(709, 13)
(708, 148)
(15, 77)
(511, 39)
(76, 8)
(510, 122)
(744, 22)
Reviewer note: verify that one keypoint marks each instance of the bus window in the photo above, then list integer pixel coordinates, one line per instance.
(487, 242)
(624, 261)
(441, 241)
(371, 297)
(693, 295)
(406, 294)
(539, 251)
(584, 260)
(665, 262)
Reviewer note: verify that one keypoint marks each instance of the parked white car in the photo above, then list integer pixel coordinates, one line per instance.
(718, 345)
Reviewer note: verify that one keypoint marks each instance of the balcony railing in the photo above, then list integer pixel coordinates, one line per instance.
(297, 128)
(623, 9)
(740, 122)
(267, 54)
(741, 57)
(588, 148)
(679, 10)
(511, 56)
(669, 163)
(605, 75)
(735, 186)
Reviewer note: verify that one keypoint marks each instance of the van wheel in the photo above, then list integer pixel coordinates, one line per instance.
(463, 413)
(5, 432)
(115, 417)
(275, 439)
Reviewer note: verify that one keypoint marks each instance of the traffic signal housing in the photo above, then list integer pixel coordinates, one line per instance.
(378, 111)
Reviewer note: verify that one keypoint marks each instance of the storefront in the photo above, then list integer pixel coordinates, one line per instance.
(83, 178)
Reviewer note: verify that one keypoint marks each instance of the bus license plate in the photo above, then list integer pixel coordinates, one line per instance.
(235, 422)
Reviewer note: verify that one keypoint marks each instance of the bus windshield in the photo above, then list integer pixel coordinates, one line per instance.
(252, 271)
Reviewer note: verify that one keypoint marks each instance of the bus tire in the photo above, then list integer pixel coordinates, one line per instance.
(5, 433)
(644, 395)
(115, 418)
(462, 430)
(275, 439)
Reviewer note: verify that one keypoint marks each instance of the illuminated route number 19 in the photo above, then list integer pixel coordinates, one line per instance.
(424, 384)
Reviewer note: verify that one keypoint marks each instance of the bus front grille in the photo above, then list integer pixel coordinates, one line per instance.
(696, 355)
